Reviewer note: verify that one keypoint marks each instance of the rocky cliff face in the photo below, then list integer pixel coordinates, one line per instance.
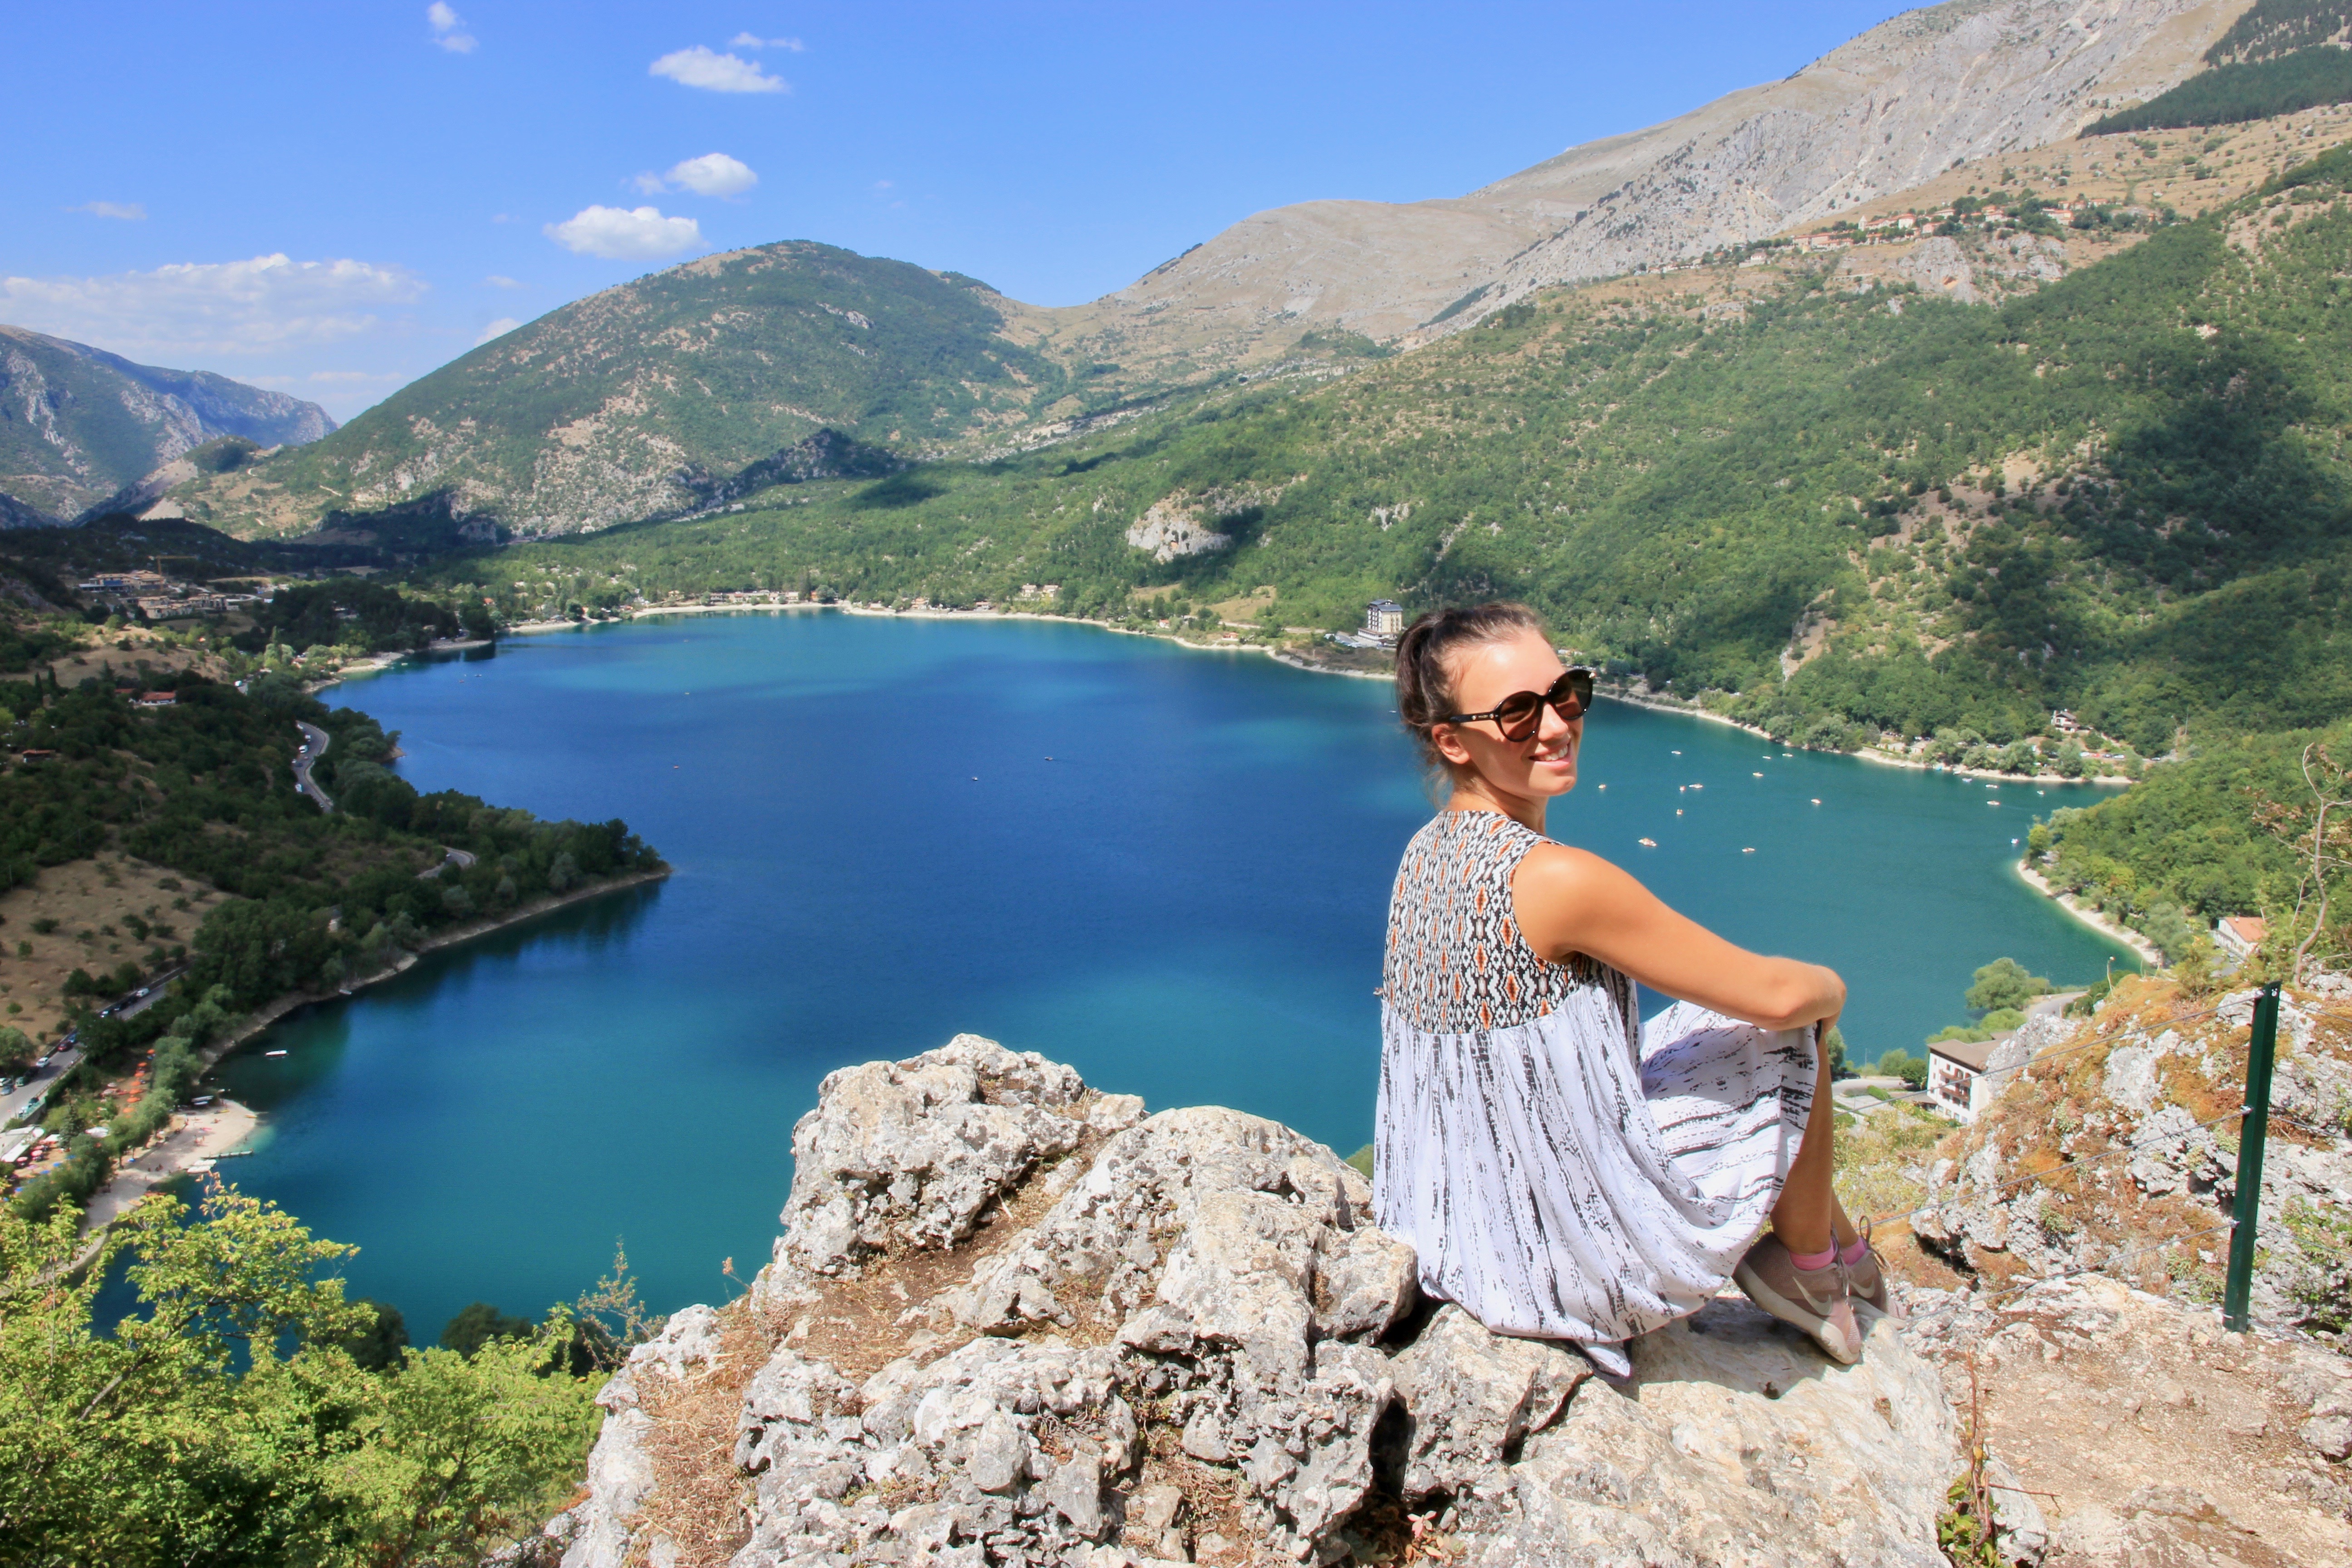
(78, 424)
(2141, 1099)
(1901, 104)
(1013, 1320)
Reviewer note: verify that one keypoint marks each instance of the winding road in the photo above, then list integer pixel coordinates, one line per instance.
(318, 739)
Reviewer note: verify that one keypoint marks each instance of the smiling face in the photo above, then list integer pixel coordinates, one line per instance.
(1518, 776)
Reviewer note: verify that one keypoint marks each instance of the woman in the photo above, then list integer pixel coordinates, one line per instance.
(1563, 1171)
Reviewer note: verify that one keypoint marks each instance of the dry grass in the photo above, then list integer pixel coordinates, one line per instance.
(93, 902)
(1881, 1160)
(701, 1502)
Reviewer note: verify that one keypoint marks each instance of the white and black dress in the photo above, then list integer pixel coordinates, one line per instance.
(1563, 1171)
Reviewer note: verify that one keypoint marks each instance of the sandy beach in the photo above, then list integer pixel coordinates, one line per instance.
(2091, 917)
(195, 1140)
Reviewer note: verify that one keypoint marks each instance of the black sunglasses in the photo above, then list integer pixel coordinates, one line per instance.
(1520, 714)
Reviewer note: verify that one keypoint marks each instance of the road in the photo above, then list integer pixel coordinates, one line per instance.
(59, 1065)
(130, 1006)
(317, 738)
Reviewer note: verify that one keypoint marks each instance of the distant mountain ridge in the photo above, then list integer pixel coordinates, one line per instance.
(673, 393)
(660, 397)
(1894, 107)
(78, 425)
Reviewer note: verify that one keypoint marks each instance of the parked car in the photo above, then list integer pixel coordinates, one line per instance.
(140, 992)
(41, 1065)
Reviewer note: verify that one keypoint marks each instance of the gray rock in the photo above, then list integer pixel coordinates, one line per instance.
(910, 1154)
(2022, 1535)
(1074, 1489)
(1473, 1397)
(1735, 1441)
(2330, 1436)
(1221, 1273)
(602, 1530)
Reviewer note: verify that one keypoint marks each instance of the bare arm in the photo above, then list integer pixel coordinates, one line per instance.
(1569, 901)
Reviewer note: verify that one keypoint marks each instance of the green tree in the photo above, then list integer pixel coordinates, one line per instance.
(2004, 983)
(225, 1422)
(1911, 1069)
(379, 1344)
(478, 1323)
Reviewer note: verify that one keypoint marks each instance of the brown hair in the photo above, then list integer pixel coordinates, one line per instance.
(1424, 677)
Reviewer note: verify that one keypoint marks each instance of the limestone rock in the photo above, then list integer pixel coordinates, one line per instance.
(1473, 1397)
(1205, 1310)
(600, 1531)
(1734, 1442)
(910, 1154)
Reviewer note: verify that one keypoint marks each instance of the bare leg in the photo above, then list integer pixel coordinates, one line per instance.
(1808, 1217)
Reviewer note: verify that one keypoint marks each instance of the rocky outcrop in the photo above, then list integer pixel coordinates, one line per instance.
(2135, 1105)
(1013, 1320)
(2129, 1429)
(1186, 524)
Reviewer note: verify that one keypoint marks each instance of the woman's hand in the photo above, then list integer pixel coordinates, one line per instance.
(1569, 901)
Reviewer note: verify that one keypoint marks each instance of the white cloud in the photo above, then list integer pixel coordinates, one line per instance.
(713, 174)
(753, 41)
(714, 72)
(500, 281)
(448, 30)
(496, 329)
(622, 233)
(197, 309)
(649, 184)
(132, 211)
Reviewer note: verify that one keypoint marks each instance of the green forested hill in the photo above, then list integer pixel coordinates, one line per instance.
(2125, 494)
(648, 397)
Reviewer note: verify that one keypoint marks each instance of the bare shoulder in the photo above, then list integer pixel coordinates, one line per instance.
(1567, 898)
(1563, 870)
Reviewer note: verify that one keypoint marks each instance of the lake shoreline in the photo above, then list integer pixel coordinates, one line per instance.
(2096, 920)
(175, 1154)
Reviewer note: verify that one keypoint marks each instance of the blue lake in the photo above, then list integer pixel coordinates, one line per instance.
(1169, 869)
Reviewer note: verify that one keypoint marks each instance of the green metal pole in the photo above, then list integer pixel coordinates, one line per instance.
(2260, 1049)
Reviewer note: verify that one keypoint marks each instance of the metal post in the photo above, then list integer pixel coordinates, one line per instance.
(2251, 1130)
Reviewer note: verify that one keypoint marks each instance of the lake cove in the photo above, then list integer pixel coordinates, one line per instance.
(1167, 868)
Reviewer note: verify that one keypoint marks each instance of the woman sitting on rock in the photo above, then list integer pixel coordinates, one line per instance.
(1565, 1171)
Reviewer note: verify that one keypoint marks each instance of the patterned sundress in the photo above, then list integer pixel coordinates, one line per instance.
(1563, 1171)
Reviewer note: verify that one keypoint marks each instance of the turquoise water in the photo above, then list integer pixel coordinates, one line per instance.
(1169, 869)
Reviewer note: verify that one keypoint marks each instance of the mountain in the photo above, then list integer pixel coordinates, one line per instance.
(78, 424)
(2280, 56)
(653, 399)
(1822, 494)
(1909, 99)
(671, 394)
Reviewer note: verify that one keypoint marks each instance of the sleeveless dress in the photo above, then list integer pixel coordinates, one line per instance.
(1562, 1171)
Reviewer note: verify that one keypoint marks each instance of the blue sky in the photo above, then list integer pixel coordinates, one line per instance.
(427, 173)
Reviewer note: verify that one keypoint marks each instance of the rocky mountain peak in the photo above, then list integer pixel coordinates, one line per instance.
(78, 424)
(1898, 105)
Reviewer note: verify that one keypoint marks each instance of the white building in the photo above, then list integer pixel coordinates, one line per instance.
(2239, 935)
(1964, 1076)
(1383, 618)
